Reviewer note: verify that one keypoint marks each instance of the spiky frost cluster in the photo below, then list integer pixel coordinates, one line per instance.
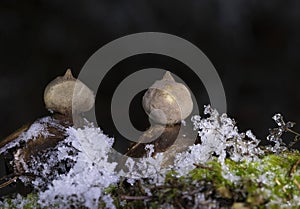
(219, 137)
(146, 167)
(91, 173)
(275, 135)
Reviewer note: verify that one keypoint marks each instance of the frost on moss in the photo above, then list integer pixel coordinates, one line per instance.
(17, 201)
(227, 169)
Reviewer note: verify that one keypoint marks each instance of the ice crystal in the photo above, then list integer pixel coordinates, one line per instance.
(146, 167)
(83, 185)
(108, 200)
(20, 202)
(275, 135)
(219, 137)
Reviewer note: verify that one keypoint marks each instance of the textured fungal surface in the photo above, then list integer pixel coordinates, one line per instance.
(65, 95)
(167, 101)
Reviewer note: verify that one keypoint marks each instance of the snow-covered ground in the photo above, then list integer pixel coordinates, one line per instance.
(91, 171)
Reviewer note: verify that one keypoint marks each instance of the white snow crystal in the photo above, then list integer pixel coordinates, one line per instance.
(90, 174)
(108, 201)
(219, 137)
(146, 167)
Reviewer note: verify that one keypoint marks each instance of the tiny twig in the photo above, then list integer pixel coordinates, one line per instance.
(121, 185)
(296, 138)
(179, 204)
(203, 166)
(5, 184)
(141, 187)
(126, 197)
(297, 183)
(294, 167)
(277, 182)
(7, 176)
(13, 177)
(292, 131)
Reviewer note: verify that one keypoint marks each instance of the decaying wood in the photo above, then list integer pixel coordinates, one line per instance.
(14, 135)
(167, 139)
(33, 147)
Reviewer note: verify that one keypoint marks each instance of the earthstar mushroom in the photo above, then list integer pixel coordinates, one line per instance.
(66, 94)
(167, 101)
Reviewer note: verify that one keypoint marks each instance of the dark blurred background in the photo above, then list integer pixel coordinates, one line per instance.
(254, 45)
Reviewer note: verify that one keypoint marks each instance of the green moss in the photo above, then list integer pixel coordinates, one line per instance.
(211, 172)
(272, 179)
(272, 182)
(28, 202)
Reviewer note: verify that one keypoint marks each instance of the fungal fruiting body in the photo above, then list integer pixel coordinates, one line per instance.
(67, 95)
(167, 101)
(64, 96)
